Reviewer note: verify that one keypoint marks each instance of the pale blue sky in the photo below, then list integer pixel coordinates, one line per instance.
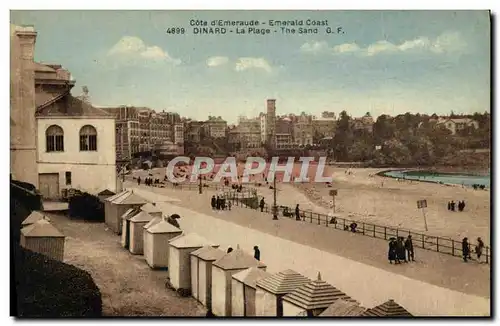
(386, 62)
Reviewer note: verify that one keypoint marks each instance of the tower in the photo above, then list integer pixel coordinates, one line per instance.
(271, 123)
(23, 130)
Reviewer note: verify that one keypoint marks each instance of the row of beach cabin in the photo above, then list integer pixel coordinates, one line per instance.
(227, 284)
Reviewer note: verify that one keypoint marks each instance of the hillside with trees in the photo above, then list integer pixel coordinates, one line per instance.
(412, 140)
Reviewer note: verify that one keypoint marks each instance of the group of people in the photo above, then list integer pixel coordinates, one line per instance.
(460, 206)
(401, 250)
(466, 249)
(148, 181)
(219, 203)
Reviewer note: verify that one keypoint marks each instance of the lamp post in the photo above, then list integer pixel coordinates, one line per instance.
(275, 207)
(200, 187)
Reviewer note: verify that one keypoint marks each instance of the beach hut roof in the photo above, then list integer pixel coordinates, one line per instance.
(34, 217)
(315, 295)
(251, 275)
(130, 212)
(106, 192)
(41, 228)
(150, 208)
(237, 259)
(343, 308)
(208, 253)
(283, 282)
(388, 309)
(141, 217)
(163, 227)
(127, 197)
(155, 220)
(189, 240)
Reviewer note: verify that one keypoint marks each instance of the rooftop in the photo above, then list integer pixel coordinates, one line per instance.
(69, 107)
(141, 217)
(238, 259)
(41, 229)
(163, 227)
(150, 208)
(251, 275)
(342, 308)
(190, 240)
(127, 197)
(34, 217)
(283, 282)
(315, 295)
(208, 253)
(387, 309)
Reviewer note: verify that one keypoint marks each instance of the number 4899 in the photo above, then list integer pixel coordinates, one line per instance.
(176, 30)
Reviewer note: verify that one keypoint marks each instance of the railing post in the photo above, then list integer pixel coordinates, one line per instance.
(487, 254)
(326, 218)
(319, 219)
(423, 242)
(311, 216)
(452, 247)
(374, 235)
(385, 233)
(437, 244)
(397, 233)
(363, 228)
(343, 222)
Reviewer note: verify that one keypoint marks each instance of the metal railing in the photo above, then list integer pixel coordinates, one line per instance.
(420, 240)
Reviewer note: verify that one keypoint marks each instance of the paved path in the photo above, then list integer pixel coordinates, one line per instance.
(338, 254)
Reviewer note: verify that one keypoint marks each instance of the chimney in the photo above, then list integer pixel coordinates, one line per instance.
(27, 38)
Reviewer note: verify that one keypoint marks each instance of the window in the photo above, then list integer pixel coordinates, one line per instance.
(88, 138)
(68, 178)
(55, 139)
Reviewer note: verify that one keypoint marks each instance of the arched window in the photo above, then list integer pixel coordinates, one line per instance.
(54, 137)
(88, 138)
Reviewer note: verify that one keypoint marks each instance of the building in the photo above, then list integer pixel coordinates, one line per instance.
(215, 127)
(233, 137)
(193, 130)
(270, 123)
(324, 126)
(455, 125)
(140, 129)
(284, 133)
(302, 130)
(75, 141)
(23, 152)
(249, 132)
(366, 123)
(127, 131)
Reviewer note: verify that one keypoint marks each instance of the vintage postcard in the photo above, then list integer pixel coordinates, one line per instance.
(250, 163)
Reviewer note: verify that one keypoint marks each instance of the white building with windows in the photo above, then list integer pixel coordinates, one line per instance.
(75, 141)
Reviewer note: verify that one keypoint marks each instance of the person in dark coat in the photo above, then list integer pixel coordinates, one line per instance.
(452, 206)
(261, 205)
(297, 212)
(139, 181)
(256, 252)
(465, 249)
(409, 248)
(400, 251)
(217, 202)
(229, 249)
(213, 202)
(449, 205)
(391, 255)
(223, 203)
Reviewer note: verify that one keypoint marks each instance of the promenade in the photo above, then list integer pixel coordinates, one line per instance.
(435, 285)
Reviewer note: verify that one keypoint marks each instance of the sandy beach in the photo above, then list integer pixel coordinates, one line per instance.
(365, 197)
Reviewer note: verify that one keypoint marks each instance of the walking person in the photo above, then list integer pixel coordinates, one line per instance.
(217, 203)
(479, 249)
(400, 250)
(465, 249)
(391, 255)
(452, 205)
(229, 204)
(297, 213)
(409, 248)
(449, 205)
(138, 181)
(256, 252)
(213, 202)
(261, 205)
(229, 250)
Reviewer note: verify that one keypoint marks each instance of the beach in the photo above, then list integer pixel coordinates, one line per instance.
(365, 197)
